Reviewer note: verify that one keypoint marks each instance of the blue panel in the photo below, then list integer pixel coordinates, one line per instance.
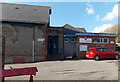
(69, 35)
(96, 34)
(92, 34)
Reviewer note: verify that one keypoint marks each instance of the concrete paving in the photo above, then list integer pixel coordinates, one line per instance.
(71, 70)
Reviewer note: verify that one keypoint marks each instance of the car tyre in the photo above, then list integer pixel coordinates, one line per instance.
(97, 58)
(116, 57)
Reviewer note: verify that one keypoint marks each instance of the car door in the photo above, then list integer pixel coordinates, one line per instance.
(100, 52)
(108, 53)
(111, 53)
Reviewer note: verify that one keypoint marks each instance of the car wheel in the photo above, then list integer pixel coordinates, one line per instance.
(96, 58)
(116, 57)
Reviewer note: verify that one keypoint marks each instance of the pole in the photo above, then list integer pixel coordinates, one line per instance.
(33, 48)
(2, 54)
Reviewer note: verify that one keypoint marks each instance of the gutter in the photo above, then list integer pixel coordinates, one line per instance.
(23, 22)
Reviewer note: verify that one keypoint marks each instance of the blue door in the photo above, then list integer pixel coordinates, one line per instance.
(52, 45)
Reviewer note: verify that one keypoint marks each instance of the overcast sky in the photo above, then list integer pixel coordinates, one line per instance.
(93, 16)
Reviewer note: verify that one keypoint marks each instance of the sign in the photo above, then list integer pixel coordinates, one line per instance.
(85, 40)
(111, 42)
(83, 47)
(40, 39)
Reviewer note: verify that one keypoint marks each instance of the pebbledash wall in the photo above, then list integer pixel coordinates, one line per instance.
(24, 28)
(83, 41)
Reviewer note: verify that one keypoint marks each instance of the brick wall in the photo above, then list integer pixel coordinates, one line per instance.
(81, 54)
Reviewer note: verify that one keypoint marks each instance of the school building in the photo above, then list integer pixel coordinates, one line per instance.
(76, 45)
(28, 36)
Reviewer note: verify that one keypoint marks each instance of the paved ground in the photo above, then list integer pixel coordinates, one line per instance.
(71, 70)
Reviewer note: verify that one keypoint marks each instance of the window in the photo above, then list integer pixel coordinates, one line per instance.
(107, 50)
(90, 49)
(73, 40)
(96, 40)
(100, 40)
(100, 49)
(66, 40)
(104, 40)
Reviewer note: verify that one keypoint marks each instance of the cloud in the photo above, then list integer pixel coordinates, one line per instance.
(111, 15)
(90, 9)
(102, 28)
(97, 17)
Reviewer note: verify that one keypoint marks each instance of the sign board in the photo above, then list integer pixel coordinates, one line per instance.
(85, 40)
(83, 47)
(40, 39)
(111, 42)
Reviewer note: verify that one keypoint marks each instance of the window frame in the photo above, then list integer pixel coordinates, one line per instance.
(102, 40)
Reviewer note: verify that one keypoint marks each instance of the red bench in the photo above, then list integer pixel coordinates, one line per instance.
(19, 71)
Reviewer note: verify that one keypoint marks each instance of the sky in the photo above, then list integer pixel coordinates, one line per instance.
(93, 16)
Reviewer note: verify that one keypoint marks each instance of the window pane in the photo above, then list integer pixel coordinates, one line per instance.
(96, 40)
(101, 40)
(90, 49)
(108, 50)
(100, 49)
(104, 49)
(105, 40)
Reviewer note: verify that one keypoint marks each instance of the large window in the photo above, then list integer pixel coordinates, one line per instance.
(100, 40)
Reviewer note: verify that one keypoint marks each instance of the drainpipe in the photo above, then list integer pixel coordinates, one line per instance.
(33, 47)
(2, 54)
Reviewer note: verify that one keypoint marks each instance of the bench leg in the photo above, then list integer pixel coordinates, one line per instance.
(31, 78)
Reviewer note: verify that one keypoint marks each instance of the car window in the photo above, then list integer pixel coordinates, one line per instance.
(107, 50)
(90, 49)
(100, 49)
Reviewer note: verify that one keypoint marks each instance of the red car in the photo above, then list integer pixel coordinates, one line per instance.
(98, 53)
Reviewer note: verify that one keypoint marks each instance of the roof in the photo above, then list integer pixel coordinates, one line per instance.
(69, 31)
(83, 29)
(96, 34)
(55, 27)
(26, 5)
(68, 26)
(91, 34)
(25, 13)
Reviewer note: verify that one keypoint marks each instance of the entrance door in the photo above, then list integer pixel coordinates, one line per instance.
(52, 45)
